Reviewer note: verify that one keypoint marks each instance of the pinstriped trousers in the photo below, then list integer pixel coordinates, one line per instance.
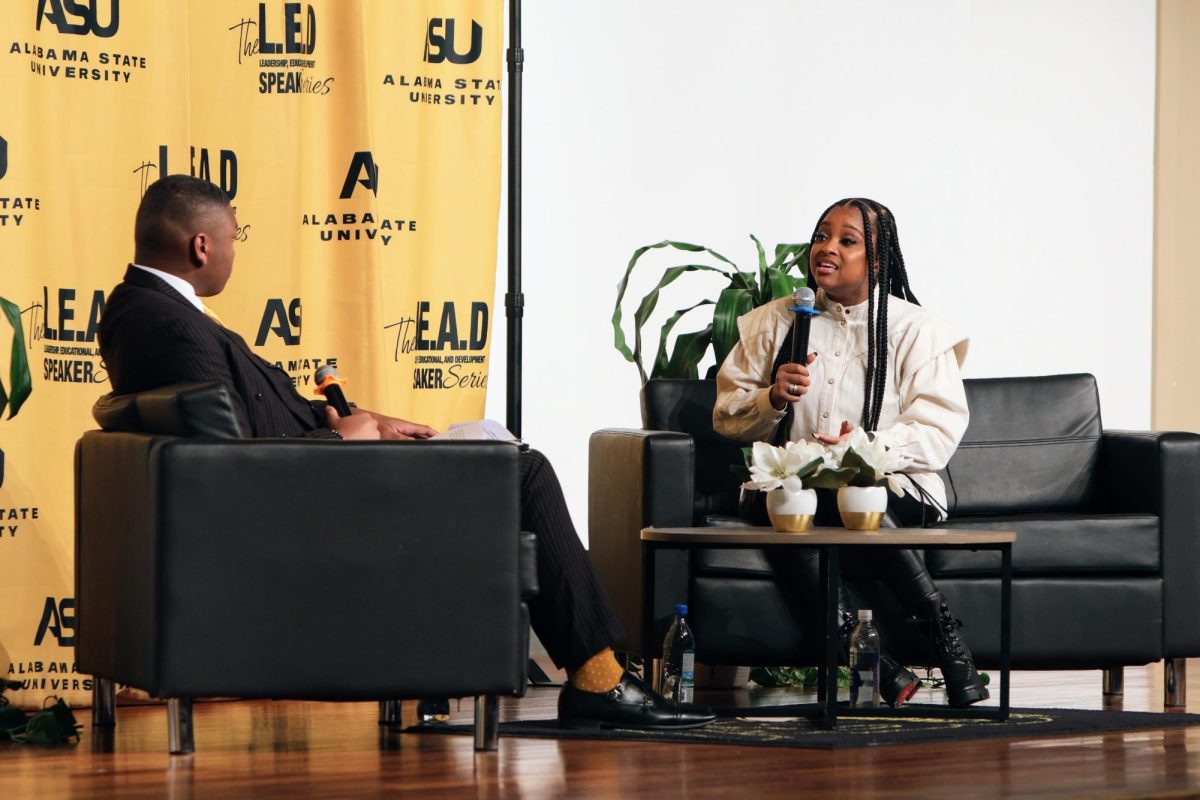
(571, 614)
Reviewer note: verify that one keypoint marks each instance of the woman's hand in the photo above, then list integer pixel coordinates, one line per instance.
(846, 428)
(791, 383)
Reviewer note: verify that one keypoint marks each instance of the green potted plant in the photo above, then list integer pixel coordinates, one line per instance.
(745, 291)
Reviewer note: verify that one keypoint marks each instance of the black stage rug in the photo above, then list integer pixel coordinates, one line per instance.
(778, 731)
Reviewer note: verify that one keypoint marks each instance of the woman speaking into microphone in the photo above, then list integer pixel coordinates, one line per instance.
(878, 361)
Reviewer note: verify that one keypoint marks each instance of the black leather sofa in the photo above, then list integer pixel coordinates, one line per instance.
(1105, 562)
(211, 565)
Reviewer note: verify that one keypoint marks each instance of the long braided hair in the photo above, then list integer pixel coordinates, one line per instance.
(885, 273)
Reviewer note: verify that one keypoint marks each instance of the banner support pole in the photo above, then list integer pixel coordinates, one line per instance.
(514, 299)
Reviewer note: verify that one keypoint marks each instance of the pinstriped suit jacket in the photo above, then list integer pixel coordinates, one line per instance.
(151, 336)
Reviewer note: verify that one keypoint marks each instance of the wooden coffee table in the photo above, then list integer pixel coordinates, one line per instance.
(830, 541)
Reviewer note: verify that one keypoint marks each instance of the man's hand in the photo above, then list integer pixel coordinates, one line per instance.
(356, 426)
(395, 428)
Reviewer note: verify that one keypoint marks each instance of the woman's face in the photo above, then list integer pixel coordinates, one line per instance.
(837, 258)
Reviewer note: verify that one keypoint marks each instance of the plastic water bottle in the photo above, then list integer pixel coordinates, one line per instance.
(864, 663)
(677, 678)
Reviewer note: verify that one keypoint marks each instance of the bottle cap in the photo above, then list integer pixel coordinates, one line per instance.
(681, 609)
(864, 614)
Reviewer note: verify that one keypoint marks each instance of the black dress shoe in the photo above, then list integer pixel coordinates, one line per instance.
(631, 704)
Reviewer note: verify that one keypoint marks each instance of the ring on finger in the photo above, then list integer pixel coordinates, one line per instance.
(793, 388)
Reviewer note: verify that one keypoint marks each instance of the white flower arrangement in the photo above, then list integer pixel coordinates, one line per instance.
(786, 467)
(873, 462)
(857, 460)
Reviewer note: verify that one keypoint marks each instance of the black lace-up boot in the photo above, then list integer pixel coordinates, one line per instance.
(896, 684)
(906, 575)
(963, 684)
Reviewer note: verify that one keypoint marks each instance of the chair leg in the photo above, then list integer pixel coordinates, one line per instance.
(1114, 681)
(487, 721)
(389, 712)
(179, 726)
(1175, 683)
(104, 703)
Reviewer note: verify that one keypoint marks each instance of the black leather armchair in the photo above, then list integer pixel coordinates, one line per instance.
(210, 565)
(1107, 522)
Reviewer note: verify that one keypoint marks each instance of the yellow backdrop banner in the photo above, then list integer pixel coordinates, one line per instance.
(359, 141)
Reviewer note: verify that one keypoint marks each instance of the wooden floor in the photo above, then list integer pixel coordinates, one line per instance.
(262, 750)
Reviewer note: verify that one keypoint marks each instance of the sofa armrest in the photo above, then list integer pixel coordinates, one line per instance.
(636, 479)
(1158, 473)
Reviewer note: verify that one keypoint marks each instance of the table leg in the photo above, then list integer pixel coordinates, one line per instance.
(1005, 625)
(649, 554)
(830, 572)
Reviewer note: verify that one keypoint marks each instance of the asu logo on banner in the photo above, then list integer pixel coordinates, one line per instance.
(84, 53)
(280, 321)
(80, 17)
(53, 639)
(281, 40)
(440, 42)
(443, 46)
(360, 222)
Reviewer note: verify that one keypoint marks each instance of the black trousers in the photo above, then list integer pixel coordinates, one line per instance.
(903, 571)
(571, 614)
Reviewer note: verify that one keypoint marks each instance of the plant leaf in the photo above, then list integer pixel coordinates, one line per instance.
(787, 253)
(19, 377)
(834, 478)
(618, 333)
(865, 472)
(809, 468)
(689, 349)
(760, 288)
(782, 284)
(650, 301)
(660, 358)
(731, 304)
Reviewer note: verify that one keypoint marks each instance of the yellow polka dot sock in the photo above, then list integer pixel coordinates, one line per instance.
(600, 673)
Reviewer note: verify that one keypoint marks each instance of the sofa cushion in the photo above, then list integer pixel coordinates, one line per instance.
(720, 561)
(1059, 544)
(1031, 446)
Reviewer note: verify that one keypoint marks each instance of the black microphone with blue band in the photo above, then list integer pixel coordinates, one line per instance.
(803, 300)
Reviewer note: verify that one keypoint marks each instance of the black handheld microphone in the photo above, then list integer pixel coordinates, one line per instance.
(803, 300)
(330, 387)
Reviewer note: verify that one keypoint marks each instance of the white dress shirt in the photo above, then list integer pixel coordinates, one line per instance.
(178, 284)
(924, 410)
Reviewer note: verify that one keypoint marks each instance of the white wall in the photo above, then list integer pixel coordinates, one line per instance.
(1013, 140)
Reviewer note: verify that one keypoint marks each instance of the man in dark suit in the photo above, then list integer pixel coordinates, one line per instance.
(156, 331)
